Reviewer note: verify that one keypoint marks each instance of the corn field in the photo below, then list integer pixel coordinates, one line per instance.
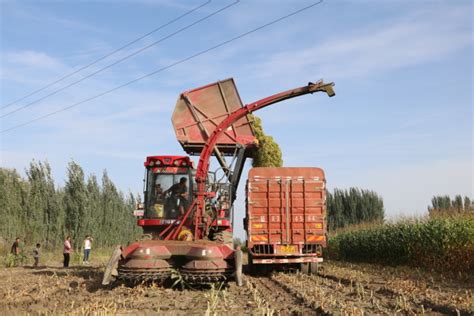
(443, 243)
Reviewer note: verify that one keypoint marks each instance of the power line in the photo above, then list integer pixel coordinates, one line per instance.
(121, 59)
(166, 67)
(107, 55)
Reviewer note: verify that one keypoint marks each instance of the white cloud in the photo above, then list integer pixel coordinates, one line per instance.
(419, 38)
(31, 59)
(37, 14)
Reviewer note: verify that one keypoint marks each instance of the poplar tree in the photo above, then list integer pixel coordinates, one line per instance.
(353, 206)
(75, 202)
(13, 193)
(444, 204)
(35, 210)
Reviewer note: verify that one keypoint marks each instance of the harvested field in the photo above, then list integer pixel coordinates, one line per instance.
(339, 289)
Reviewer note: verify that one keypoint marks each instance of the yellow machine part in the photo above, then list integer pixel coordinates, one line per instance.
(159, 210)
(185, 234)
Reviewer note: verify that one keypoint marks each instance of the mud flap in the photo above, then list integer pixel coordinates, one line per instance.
(111, 272)
(238, 266)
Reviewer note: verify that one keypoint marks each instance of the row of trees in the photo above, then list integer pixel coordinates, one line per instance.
(353, 206)
(444, 204)
(37, 210)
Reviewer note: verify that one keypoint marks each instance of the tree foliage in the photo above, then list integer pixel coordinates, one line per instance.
(353, 206)
(268, 153)
(36, 210)
(442, 204)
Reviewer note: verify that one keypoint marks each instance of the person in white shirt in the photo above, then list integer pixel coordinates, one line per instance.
(87, 249)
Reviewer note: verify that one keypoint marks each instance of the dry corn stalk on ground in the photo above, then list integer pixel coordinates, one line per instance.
(340, 289)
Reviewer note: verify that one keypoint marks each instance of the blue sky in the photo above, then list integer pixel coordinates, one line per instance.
(400, 124)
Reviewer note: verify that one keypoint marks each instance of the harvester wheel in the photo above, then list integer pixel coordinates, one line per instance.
(111, 272)
(238, 266)
(304, 267)
(314, 267)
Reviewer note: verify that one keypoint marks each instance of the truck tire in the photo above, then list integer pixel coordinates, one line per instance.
(314, 267)
(305, 268)
(250, 265)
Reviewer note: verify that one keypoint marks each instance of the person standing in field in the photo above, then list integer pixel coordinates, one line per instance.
(36, 255)
(87, 249)
(67, 251)
(16, 247)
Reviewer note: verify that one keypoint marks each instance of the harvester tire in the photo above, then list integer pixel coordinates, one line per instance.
(238, 266)
(111, 271)
(304, 268)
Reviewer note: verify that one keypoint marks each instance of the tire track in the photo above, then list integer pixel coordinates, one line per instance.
(419, 305)
(279, 298)
(337, 298)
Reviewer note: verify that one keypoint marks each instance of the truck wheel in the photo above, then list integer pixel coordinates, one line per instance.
(250, 265)
(263, 269)
(254, 269)
(238, 266)
(314, 267)
(304, 267)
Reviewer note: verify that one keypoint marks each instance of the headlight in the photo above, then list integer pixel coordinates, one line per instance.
(152, 163)
(176, 162)
(158, 162)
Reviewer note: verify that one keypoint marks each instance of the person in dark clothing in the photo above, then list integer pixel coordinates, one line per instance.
(67, 251)
(16, 247)
(158, 191)
(36, 255)
(179, 194)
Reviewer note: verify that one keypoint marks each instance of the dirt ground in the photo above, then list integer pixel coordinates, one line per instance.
(339, 289)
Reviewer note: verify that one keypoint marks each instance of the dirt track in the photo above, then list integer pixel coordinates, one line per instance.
(339, 289)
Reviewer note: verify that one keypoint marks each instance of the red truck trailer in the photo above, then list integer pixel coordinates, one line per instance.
(285, 218)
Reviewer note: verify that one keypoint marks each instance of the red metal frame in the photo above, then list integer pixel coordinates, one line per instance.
(165, 161)
(201, 222)
(159, 222)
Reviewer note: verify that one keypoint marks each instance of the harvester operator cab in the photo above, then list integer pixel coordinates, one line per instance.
(169, 191)
(169, 185)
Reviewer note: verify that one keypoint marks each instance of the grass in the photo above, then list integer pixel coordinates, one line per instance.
(53, 257)
(440, 243)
